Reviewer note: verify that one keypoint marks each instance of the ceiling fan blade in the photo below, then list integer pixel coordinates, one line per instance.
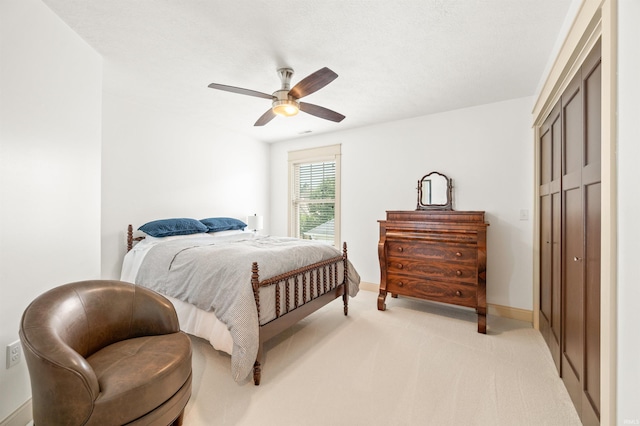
(321, 112)
(265, 118)
(313, 83)
(240, 90)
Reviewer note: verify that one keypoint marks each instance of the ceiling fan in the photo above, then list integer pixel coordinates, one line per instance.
(286, 101)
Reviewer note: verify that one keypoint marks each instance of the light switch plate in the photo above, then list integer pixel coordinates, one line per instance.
(524, 214)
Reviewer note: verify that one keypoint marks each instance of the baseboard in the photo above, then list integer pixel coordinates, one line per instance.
(498, 310)
(22, 416)
(369, 286)
(512, 313)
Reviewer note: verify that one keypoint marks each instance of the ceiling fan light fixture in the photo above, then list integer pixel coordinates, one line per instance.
(286, 107)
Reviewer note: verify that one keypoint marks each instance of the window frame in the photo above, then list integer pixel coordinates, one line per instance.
(308, 156)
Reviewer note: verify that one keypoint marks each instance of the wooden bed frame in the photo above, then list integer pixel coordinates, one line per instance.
(324, 286)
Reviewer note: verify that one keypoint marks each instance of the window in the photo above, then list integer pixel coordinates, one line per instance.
(314, 210)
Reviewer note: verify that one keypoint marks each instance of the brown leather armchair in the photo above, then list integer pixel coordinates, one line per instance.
(105, 353)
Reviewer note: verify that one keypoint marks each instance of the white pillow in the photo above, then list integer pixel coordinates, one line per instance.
(229, 232)
(153, 240)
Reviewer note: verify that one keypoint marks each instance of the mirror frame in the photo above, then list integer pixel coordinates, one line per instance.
(447, 206)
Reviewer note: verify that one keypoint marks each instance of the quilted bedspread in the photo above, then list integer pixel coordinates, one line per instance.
(216, 276)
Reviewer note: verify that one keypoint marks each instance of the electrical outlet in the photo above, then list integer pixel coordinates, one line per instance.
(14, 353)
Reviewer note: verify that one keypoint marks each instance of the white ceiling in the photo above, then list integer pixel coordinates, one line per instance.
(395, 59)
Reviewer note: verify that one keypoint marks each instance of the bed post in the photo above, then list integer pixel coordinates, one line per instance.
(129, 238)
(345, 295)
(255, 284)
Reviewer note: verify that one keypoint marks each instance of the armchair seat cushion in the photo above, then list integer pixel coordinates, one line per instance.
(137, 375)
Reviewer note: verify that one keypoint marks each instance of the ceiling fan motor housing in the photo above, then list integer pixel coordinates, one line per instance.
(285, 75)
(283, 104)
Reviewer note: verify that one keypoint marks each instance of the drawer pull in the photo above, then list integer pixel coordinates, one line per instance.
(458, 273)
(400, 284)
(399, 265)
(458, 254)
(458, 293)
(400, 249)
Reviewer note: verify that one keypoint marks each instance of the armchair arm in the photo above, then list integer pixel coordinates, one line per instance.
(152, 314)
(61, 380)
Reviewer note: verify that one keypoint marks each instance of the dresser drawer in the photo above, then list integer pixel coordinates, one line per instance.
(437, 252)
(433, 269)
(455, 293)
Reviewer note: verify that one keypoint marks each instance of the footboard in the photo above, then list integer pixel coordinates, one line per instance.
(311, 287)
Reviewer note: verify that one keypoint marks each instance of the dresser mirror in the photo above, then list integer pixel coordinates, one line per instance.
(434, 192)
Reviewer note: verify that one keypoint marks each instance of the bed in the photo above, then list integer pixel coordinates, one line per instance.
(237, 289)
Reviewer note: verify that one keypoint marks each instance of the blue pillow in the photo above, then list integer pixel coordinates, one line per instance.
(217, 224)
(168, 227)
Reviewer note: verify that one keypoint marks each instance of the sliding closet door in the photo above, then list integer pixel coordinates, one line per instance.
(550, 260)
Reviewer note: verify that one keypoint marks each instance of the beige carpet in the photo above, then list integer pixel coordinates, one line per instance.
(417, 363)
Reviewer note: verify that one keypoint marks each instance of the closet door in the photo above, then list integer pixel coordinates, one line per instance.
(591, 184)
(580, 361)
(549, 192)
(572, 253)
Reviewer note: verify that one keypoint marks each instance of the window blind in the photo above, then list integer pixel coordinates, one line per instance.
(314, 200)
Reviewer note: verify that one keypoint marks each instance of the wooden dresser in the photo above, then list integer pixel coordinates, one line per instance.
(435, 255)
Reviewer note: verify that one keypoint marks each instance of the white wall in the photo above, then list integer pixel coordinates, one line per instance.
(50, 102)
(628, 208)
(63, 187)
(160, 162)
(486, 150)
